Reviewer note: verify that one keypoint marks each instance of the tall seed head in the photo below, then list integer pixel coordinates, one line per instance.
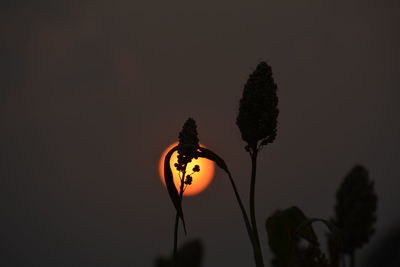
(355, 209)
(258, 111)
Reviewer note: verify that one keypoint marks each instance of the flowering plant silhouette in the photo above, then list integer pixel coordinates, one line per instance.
(257, 121)
(188, 149)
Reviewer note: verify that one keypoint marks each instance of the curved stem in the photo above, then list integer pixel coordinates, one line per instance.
(244, 213)
(257, 246)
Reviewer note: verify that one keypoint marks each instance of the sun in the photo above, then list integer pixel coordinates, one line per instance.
(201, 180)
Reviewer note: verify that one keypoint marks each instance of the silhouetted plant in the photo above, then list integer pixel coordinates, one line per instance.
(189, 149)
(387, 252)
(258, 110)
(355, 210)
(286, 229)
(188, 143)
(352, 226)
(257, 121)
(291, 235)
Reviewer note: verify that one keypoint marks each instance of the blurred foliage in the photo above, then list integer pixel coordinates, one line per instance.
(293, 241)
(189, 255)
(281, 228)
(387, 252)
(352, 227)
(355, 210)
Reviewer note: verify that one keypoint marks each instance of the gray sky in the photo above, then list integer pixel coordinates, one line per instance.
(93, 91)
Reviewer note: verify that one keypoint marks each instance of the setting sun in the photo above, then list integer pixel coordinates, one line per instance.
(200, 180)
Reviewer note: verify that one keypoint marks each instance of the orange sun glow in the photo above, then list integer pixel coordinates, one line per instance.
(200, 180)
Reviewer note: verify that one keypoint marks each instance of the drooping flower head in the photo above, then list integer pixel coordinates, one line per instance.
(258, 110)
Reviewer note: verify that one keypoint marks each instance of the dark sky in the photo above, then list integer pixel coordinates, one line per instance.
(91, 92)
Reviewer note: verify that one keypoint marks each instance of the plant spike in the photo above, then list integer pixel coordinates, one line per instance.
(258, 109)
(257, 122)
(355, 210)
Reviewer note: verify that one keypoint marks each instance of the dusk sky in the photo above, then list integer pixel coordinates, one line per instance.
(92, 92)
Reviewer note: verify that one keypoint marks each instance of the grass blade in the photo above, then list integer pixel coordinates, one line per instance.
(208, 154)
(169, 182)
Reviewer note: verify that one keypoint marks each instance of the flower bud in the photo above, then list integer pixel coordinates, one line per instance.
(188, 180)
(196, 168)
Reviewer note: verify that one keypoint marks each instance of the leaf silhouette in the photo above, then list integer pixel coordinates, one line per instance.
(281, 229)
(208, 154)
(169, 182)
(332, 228)
(334, 238)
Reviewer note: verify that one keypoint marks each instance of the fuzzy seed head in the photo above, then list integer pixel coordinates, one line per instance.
(258, 110)
(188, 144)
(356, 204)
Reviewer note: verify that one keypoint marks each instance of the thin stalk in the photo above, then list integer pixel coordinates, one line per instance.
(244, 214)
(177, 214)
(257, 247)
(176, 235)
(343, 258)
(352, 259)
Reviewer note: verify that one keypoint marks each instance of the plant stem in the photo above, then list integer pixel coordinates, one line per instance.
(176, 236)
(257, 247)
(244, 213)
(177, 214)
(352, 259)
